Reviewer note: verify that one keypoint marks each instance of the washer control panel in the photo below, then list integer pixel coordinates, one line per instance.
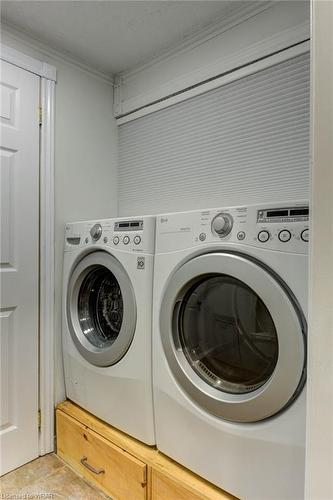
(130, 235)
(278, 226)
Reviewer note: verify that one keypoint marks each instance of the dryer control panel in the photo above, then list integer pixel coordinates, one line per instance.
(276, 226)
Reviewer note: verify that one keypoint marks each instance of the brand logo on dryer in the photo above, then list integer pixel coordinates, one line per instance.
(140, 263)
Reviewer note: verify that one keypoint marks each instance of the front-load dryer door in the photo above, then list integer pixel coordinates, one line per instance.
(101, 309)
(234, 336)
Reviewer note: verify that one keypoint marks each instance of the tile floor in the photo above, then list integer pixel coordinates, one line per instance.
(46, 477)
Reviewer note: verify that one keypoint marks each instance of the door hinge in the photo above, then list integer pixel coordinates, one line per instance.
(40, 115)
(39, 419)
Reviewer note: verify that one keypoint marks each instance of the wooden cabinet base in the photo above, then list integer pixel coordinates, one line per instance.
(121, 466)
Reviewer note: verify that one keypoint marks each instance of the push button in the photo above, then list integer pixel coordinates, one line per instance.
(284, 235)
(202, 236)
(241, 235)
(137, 240)
(126, 240)
(116, 240)
(305, 235)
(263, 236)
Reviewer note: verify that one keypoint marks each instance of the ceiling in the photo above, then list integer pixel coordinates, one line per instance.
(114, 36)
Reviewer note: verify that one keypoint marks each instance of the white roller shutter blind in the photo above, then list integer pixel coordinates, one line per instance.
(246, 142)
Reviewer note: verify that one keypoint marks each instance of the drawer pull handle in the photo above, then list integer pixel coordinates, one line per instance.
(84, 461)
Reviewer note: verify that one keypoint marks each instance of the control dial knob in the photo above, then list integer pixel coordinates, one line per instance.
(222, 224)
(96, 232)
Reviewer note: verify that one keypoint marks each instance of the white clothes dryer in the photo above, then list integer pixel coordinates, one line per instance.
(229, 346)
(107, 312)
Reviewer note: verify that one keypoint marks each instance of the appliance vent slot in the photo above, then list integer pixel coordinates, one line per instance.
(207, 372)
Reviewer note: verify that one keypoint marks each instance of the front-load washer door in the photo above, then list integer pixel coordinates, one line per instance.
(234, 336)
(101, 309)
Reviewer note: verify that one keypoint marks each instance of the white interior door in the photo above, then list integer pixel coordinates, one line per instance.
(19, 177)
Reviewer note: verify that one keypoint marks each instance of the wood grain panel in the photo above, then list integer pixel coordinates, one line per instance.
(133, 446)
(163, 488)
(118, 474)
(156, 462)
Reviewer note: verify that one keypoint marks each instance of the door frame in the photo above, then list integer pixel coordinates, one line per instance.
(47, 74)
(319, 437)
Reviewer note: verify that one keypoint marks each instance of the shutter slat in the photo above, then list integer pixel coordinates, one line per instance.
(246, 142)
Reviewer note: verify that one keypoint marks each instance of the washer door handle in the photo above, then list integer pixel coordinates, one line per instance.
(84, 462)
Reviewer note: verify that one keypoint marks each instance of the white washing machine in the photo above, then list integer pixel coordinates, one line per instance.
(107, 311)
(229, 346)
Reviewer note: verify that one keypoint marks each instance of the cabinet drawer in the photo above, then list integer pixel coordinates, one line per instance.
(164, 488)
(115, 471)
(179, 483)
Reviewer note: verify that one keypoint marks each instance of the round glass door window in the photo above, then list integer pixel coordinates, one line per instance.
(100, 307)
(227, 334)
(234, 336)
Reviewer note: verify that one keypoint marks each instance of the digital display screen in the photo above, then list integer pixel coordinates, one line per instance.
(277, 213)
(299, 211)
(136, 225)
(283, 214)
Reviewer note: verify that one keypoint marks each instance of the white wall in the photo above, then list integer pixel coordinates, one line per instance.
(319, 453)
(85, 160)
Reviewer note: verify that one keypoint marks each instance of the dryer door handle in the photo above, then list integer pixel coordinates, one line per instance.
(174, 326)
(84, 462)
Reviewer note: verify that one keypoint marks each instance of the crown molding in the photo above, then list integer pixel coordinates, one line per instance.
(44, 49)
